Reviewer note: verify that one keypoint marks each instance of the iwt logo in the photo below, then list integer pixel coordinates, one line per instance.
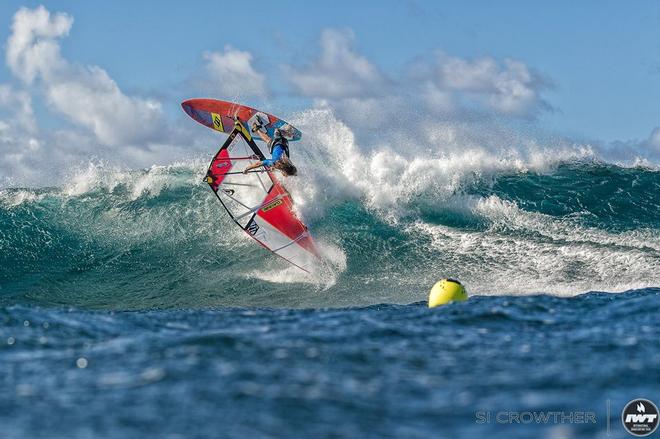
(640, 417)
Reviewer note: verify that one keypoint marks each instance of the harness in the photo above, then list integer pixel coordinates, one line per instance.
(279, 139)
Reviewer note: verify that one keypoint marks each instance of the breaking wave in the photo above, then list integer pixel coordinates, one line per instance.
(391, 219)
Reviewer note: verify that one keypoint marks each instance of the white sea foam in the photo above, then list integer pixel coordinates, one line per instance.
(333, 263)
(524, 252)
(147, 182)
(390, 172)
(12, 198)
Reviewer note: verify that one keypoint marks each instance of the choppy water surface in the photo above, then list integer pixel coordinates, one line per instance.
(378, 371)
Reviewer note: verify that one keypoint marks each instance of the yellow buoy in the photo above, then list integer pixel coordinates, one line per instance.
(445, 291)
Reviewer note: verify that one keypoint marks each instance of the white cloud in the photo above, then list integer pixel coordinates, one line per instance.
(18, 104)
(18, 130)
(90, 98)
(435, 99)
(230, 73)
(435, 87)
(339, 72)
(509, 87)
(107, 124)
(86, 95)
(32, 48)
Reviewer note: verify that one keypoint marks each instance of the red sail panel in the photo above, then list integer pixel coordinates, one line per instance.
(278, 212)
(217, 172)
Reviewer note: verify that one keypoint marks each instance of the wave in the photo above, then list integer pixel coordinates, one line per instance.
(392, 214)
(157, 238)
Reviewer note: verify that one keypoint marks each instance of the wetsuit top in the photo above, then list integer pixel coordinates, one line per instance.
(277, 154)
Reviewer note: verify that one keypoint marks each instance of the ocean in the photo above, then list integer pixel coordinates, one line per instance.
(131, 306)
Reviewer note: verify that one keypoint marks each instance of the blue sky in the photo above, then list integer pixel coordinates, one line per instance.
(594, 66)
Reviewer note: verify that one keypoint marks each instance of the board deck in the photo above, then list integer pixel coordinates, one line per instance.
(221, 115)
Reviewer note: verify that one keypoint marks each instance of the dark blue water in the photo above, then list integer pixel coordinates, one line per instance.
(134, 309)
(378, 371)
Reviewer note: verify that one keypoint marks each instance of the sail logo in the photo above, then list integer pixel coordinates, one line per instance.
(640, 417)
(257, 232)
(217, 122)
(253, 228)
(271, 205)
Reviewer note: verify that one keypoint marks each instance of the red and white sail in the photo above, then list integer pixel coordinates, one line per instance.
(257, 201)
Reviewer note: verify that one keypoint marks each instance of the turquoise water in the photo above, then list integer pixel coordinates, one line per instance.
(132, 307)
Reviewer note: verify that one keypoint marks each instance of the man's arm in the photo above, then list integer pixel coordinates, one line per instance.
(252, 166)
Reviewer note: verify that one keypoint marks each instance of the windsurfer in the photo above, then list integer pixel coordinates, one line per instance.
(279, 150)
